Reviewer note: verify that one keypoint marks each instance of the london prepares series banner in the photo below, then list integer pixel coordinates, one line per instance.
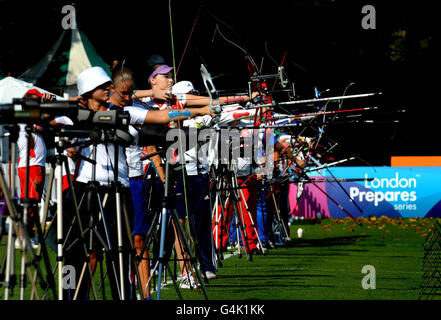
(408, 192)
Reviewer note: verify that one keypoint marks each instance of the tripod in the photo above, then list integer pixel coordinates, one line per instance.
(117, 187)
(58, 162)
(19, 223)
(230, 195)
(92, 192)
(165, 218)
(281, 224)
(91, 202)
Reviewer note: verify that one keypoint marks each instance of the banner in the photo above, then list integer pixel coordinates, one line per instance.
(407, 192)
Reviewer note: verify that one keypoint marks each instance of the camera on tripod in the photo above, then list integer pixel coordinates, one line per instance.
(111, 119)
(26, 110)
(105, 126)
(101, 126)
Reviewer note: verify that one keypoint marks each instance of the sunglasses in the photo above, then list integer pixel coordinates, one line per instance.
(125, 93)
(104, 86)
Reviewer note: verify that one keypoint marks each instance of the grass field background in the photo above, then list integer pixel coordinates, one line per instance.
(326, 263)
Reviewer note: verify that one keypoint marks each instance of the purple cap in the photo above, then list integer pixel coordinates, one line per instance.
(163, 69)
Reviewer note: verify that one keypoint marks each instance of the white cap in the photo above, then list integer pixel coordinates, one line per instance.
(182, 87)
(91, 78)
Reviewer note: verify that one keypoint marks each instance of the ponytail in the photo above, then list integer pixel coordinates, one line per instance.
(120, 72)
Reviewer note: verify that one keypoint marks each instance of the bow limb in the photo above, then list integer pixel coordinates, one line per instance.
(211, 89)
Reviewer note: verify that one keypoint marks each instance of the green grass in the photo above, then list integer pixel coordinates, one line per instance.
(325, 264)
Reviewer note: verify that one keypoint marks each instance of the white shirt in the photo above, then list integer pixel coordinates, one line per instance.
(63, 120)
(37, 154)
(105, 155)
(197, 157)
(134, 152)
(244, 167)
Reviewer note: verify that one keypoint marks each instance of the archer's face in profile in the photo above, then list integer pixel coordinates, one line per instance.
(163, 81)
(122, 92)
(101, 95)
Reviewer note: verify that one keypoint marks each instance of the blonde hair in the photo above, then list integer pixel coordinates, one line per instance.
(120, 73)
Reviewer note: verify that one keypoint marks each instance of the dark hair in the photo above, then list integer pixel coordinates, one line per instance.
(155, 60)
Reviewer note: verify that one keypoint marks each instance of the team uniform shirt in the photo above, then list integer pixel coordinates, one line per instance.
(197, 157)
(105, 156)
(134, 152)
(262, 152)
(242, 166)
(37, 155)
(177, 102)
(65, 121)
(257, 137)
(37, 162)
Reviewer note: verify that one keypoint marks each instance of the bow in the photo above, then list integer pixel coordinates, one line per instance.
(212, 92)
(258, 84)
(214, 96)
(257, 81)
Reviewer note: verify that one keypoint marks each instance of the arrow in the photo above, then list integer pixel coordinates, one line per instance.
(330, 99)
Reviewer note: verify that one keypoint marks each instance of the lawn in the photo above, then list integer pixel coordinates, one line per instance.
(325, 264)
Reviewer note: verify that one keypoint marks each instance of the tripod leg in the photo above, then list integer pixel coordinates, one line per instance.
(80, 226)
(183, 243)
(241, 223)
(251, 220)
(185, 247)
(59, 177)
(216, 218)
(161, 250)
(180, 253)
(10, 277)
(148, 240)
(221, 220)
(48, 197)
(163, 226)
(214, 252)
(109, 243)
(120, 243)
(279, 218)
(43, 249)
(171, 275)
(90, 193)
(44, 218)
(16, 224)
(26, 205)
(150, 237)
(227, 219)
(132, 250)
(216, 232)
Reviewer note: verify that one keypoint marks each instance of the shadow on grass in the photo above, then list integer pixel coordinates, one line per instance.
(331, 252)
(250, 286)
(325, 242)
(273, 276)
